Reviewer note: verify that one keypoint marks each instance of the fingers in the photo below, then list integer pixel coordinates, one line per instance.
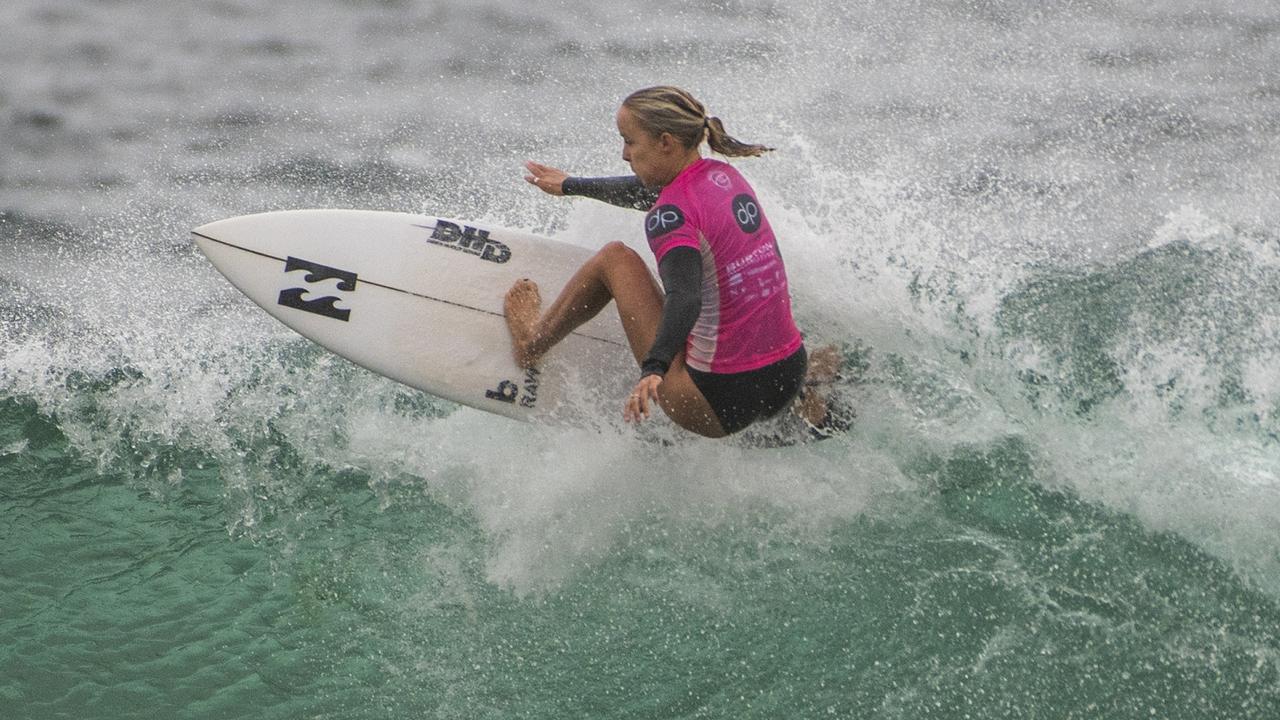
(536, 171)
(544, 177)
(636, 408)
(538, 181)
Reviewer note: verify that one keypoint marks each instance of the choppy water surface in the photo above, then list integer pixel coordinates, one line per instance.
(1046, 234)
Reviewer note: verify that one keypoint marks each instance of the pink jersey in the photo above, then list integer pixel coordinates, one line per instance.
(745, 322)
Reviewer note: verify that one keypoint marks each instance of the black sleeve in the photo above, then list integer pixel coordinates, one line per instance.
(681, 272)
(626, 191)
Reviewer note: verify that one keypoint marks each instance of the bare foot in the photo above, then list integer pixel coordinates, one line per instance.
(824, 363)
(812, 407)
(522, 305)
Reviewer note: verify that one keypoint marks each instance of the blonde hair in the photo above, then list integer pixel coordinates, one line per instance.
(667, 109)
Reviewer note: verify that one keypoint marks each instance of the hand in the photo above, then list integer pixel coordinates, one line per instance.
(546, 178)
(637, 407)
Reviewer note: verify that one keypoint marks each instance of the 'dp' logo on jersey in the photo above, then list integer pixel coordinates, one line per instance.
(746, 211)
(662, 220)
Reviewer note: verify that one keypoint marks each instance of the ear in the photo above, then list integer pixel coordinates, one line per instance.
(668, 142)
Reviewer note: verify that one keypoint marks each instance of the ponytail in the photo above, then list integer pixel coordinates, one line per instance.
(729, 146)
(667, 109)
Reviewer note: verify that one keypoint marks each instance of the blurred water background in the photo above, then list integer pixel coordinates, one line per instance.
(1046, 233)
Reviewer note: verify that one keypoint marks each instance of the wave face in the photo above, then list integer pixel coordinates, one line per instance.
(1046, 237)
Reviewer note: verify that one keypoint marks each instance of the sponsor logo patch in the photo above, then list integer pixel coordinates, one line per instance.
(325, 305)
(467, 239)
(662, 220)
(746, 212)
(509, 391)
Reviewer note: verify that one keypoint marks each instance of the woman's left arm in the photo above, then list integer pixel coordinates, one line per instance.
(681, 273)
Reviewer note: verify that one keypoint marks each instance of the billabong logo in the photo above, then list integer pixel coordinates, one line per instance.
(472, 241)
(324, 305)
(510, 392)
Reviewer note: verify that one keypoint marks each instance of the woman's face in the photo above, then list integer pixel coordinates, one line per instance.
(651, 158)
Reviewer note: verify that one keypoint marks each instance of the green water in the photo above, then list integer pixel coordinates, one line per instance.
(981, 594)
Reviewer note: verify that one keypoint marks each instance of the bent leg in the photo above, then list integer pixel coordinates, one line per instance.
(614, 273)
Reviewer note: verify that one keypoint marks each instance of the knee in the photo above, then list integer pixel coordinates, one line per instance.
(616, 252)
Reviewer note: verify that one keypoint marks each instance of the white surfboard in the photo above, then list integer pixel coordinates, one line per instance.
(419, 299)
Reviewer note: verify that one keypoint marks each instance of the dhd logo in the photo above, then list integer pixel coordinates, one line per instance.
(472, 241)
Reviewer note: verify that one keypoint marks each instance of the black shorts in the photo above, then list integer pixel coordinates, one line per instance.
(739, 399)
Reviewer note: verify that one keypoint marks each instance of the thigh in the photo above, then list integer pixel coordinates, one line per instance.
(683, 402)
(639, 300)
(636, 294)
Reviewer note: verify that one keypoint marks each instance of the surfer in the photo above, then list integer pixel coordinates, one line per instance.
(717, 345)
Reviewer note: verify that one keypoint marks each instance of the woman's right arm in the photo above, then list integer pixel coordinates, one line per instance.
(625, 191)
